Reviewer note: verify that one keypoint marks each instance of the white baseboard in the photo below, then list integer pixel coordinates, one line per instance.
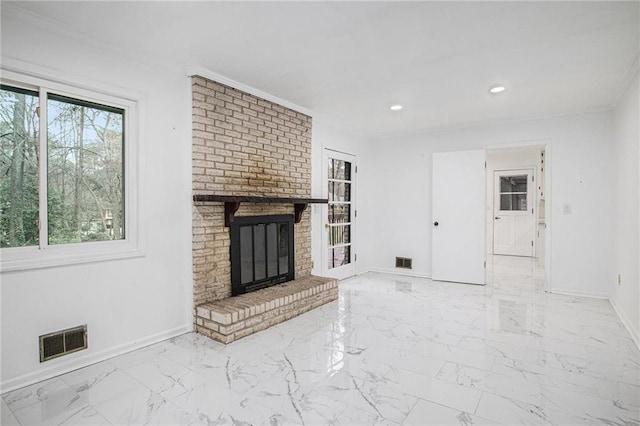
(364, 271)
(84, 361)
(395, 271)
(635, 335)
(591, 294)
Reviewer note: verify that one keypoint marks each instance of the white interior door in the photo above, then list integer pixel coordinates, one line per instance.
(458, 236)
(513, 208)
(339, 256)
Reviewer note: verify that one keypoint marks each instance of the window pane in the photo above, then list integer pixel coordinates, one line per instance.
(85, 171)
(339, 213)
(339, 235)
(339, 256)
(513, 183)
(347, 170)
(19, 167)
(339, 191)
(343, 256)
(341, 170)
(513, 202)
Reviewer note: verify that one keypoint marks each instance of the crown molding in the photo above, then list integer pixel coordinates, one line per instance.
(626, 81)
(203, 72)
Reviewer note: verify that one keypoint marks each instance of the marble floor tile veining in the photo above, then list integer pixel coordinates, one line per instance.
(391, 350)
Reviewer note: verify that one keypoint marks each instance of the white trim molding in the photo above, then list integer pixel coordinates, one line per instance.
(399, 272)
(591, 294)
(76, 361)
(635, 334)
(634, 68)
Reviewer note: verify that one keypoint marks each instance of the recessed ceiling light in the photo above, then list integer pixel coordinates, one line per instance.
(396, 107)
(497, 89)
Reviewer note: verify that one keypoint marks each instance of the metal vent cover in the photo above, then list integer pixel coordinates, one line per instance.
(63, 342)
(403, 262)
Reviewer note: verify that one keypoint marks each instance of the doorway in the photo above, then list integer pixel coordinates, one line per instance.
(517, 224)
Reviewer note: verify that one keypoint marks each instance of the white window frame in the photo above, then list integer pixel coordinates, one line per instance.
(45, 255)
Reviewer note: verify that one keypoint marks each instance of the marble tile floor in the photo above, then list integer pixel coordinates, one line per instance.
(392, 350)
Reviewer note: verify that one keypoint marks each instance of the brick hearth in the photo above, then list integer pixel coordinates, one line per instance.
(235, 317)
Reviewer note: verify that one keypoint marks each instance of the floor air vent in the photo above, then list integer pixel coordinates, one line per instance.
(63, 342)
(403, 262)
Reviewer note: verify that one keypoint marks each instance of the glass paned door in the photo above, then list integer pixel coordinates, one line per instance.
(340, 171)
(339, 181)
(514, 218)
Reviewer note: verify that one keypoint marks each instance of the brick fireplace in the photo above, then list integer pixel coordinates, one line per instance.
(247, 146)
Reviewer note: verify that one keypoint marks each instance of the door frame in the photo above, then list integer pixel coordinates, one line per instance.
(547, 144)
(532, 199)
(349, 270)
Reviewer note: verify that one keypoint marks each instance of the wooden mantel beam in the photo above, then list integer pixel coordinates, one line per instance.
(232, 203)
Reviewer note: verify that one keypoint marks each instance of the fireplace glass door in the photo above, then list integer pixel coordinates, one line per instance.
(261, 252)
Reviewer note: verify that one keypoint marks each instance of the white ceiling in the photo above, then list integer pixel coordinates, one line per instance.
(349, 61)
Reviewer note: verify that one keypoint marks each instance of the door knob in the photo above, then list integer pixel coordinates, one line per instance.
(497, 217)
(435, 223)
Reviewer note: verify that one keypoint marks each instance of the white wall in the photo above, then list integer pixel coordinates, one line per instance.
(582, 175)
(625, 212)
(125, 303)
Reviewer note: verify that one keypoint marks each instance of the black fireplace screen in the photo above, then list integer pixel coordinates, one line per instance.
(261, 252)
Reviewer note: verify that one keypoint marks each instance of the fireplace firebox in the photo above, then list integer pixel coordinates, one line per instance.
(261, 252)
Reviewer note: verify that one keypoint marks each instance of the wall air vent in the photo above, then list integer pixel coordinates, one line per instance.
(63, 342)
(403, 262)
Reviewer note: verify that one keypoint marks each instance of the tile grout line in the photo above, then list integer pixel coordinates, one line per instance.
(475, 412)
